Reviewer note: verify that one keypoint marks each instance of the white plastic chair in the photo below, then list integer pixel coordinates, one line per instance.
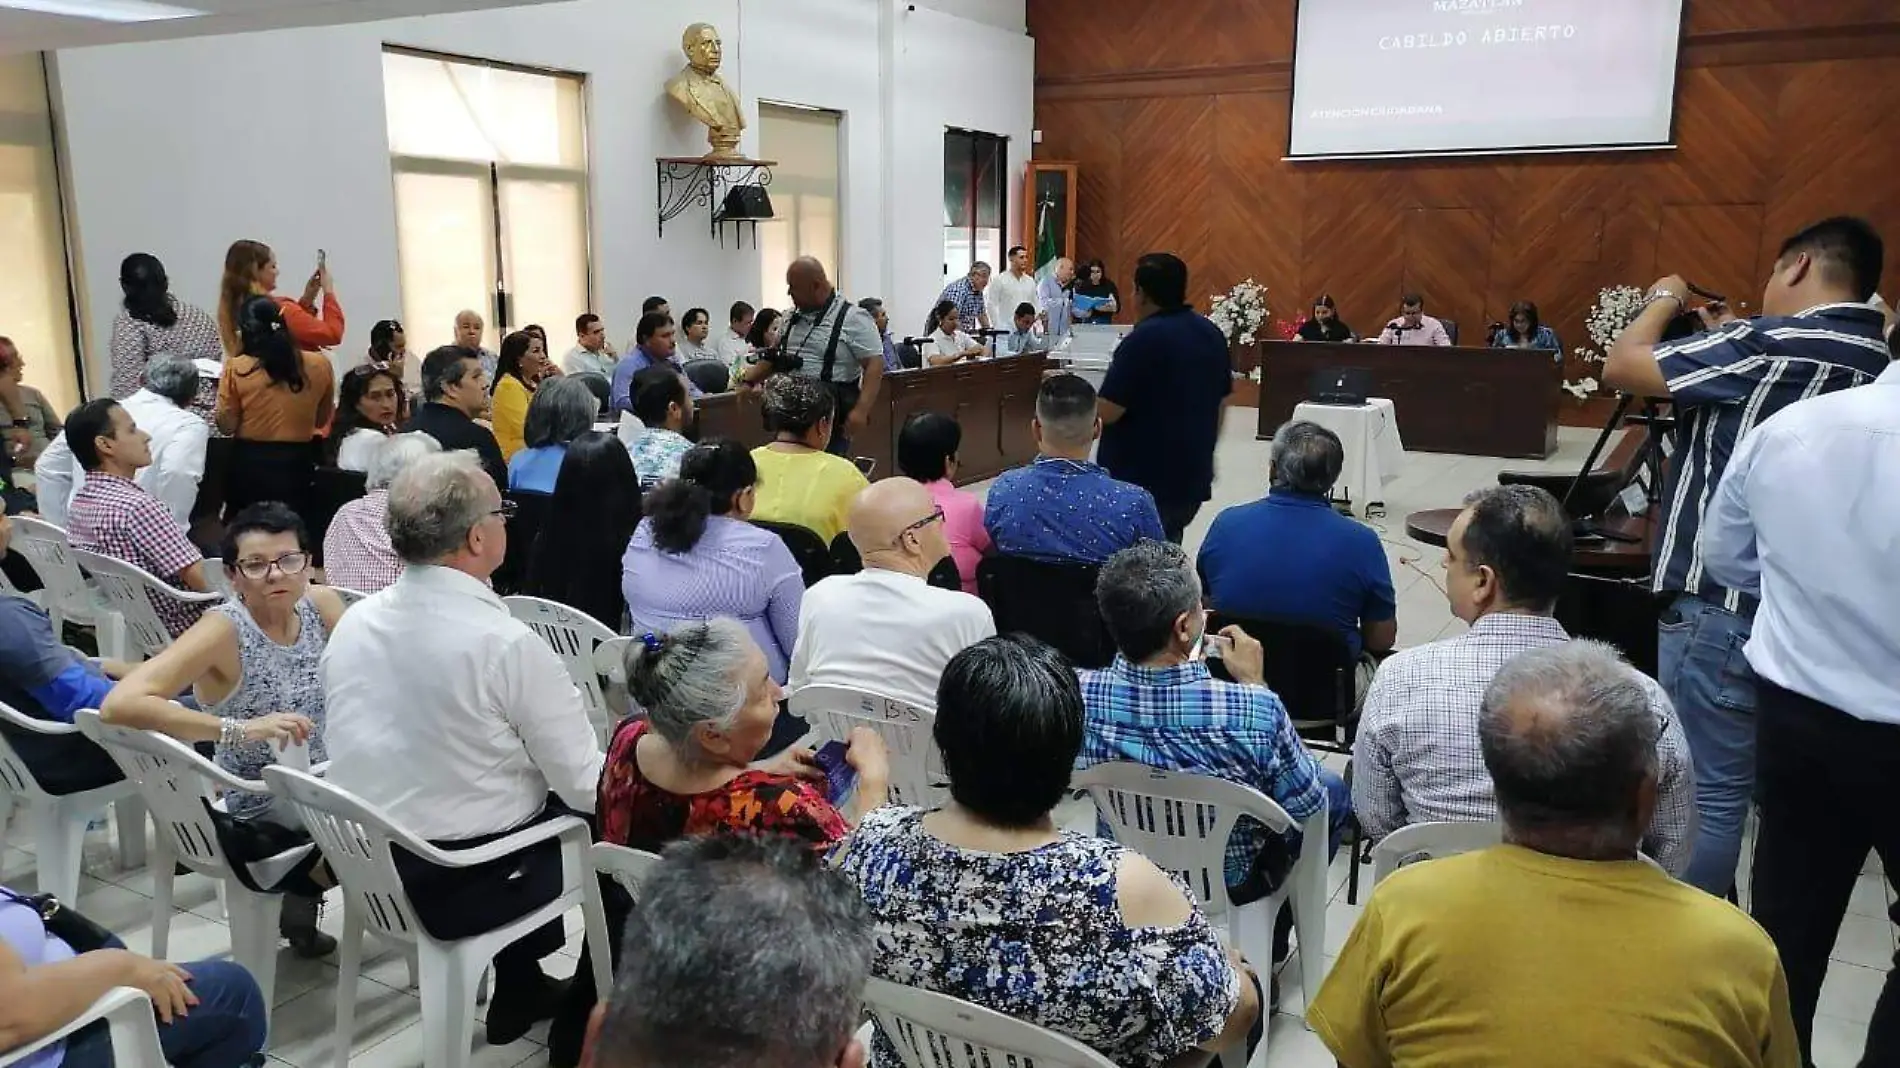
(916, 767)
(574, 636)
(932, 1030)
(357, 839)
(127, 1012)
(610, 659)
(624, 865)
(67, 598)
(1181, 821)
(178, 786)
(59, 822)
(347, 596)
(1426, 841)
(132, 592)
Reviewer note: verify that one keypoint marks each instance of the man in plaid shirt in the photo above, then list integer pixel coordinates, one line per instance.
(112, 516)
(1416, 758)
(1157, 705)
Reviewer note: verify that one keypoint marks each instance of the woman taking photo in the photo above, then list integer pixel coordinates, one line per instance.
(152, 321)
(252, 664)
(1324, 324)
(801, 483)
(578, 564)
(1526, 331)
(524, 359)
(950, 344)
(370, 409)
(250, 269)
(272, 398)
(1095, 297)
(562, 410)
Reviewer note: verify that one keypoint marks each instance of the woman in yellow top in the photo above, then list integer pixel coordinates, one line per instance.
(272, 397)
(524, 359)
(799, 482)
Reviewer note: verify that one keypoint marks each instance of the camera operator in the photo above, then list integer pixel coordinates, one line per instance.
(830, 339)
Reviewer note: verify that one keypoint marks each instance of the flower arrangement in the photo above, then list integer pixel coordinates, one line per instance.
(1616, 308)
(1241, 312)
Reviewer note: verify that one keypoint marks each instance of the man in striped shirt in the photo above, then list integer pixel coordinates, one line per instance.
(1817, 334)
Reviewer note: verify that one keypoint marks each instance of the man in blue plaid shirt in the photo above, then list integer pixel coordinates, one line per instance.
(1157, 705)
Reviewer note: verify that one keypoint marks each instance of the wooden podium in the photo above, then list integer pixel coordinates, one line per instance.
(1479, 402)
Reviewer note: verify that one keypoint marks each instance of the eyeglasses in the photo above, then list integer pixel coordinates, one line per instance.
(287, 564)
(506, 511)
(917, 526)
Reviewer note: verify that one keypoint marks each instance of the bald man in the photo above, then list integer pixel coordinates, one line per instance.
(885, 629)
(834, 341)
(468, 334)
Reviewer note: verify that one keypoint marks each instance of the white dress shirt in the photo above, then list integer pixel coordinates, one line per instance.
(359, 449)
(579, 361)
(179, 439)
(952, 344)
(449, 713)
(885, 632)
(1807, 517)
(1006, 292)
(733, 349)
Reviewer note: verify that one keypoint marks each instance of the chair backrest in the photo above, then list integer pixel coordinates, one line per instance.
(810, 550)
(16, 777)
(355, 838)
(610, 659)
(1451, 329)
(1308, 665)
(1179, 820)
(46, 548)
(175, 783)
(932, 1030)
(531, 510)
(623, 864)
(916, 767)
(710, 376)
(1052, 601)
(330, 489)
(131, 591)
(347, 596)
(574, 636)
(846, 561)
(1426, 841)
(602, 389)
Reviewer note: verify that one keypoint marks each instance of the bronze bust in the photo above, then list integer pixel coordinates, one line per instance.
(706, 96)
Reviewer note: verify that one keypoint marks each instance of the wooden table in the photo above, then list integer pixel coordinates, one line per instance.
(1608, 557)
(1478, 402)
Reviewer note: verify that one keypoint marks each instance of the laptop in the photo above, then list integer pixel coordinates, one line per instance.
(1346, 387)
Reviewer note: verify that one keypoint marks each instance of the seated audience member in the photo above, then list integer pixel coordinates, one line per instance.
(886, 629)
(987, 901)
(357, 555)
(656, 306)
(370, 408)
(732, 348)
(1526, 331)
(1324, 324)
(491, 724)
(1560, 947)
(799, 482)
(1413, 326)
(694, 555)
(522, 363)
(882, 317)
(761, 337)
(179, 440)
(578, 563)
(272, 399)
(469, 330)
(455, 394)
(948, 343)
(210, 1013)
(1062, 507)
(112, 516)
(656, 341)
(721, 907)
(1027, 337)
(927, 451)
(389, 350)
(43, 678)
(695, 330)
(1290, 556)
(591, 354)
(1157, 705)
(34, 422)
(562, 410)
(252, 664)
(664, 407)
(1416, 758)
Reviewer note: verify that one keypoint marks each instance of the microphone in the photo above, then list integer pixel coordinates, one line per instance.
(1397, 326)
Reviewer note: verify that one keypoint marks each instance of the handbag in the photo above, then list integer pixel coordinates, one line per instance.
(65, 923)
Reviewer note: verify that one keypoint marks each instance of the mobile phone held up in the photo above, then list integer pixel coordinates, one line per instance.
(840, 777)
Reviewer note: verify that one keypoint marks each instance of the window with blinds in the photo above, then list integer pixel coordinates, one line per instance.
(805, 194)
(35, 304)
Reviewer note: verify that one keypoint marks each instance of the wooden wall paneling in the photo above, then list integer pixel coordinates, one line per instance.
(1729, 16)
(1714, 246)
(1354, 242)
(1836, 154)
(1089, 133)
(1256, 204)
(1167, 181)
(1447, 254)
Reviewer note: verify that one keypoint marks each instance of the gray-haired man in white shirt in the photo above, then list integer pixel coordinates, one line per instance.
(458, 721)
(162, 408)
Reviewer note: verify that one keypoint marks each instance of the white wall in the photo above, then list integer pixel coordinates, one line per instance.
(178, 147)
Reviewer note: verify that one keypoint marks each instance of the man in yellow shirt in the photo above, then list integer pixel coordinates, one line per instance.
(1560, 947)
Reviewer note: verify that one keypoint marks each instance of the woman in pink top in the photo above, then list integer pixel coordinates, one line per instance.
(927, 452)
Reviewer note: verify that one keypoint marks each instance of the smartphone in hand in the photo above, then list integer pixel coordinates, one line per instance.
(840, 777)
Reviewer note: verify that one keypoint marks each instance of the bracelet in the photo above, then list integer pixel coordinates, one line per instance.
(230, 732)
(1664, 294)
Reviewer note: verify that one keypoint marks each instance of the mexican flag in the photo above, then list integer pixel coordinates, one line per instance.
(1045, 241)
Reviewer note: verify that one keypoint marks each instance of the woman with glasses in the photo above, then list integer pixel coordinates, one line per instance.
(252, 665)
(370, 408)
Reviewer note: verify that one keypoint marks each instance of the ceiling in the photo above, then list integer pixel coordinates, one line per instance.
(28, 31)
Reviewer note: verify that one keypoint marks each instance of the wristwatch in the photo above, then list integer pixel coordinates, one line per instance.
(1664, 294)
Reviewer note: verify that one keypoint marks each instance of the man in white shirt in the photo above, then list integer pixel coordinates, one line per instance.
(469, 328)
(458, 721)
(733, 347)
(1805, 517)
(1011, 289)
(1413, 326)
(885, 629)
(591, 353)
(179, 438)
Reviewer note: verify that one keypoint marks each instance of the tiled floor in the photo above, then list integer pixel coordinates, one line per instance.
(388, 1022)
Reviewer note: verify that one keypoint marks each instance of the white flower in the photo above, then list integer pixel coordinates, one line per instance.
(1241, 311)
(1582, 388)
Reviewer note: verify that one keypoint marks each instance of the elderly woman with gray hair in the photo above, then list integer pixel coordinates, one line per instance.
(356, 552)
(562, 409)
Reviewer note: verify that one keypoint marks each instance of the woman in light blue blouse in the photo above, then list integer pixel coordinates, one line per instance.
(563, 409)
(1526, 331)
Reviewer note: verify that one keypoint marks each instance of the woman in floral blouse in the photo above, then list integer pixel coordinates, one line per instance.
(987, 901)
(153, 322)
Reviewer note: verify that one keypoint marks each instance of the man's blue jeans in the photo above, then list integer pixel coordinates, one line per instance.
(225, 1029)
(1701, 668)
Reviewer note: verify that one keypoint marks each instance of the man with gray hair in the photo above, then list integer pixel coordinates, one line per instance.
(1560, 946)
(727, 928)
(1063, 506)
(1416, 757)
(458, 722)
(357, 555)
(179, 439)
(1290, 556)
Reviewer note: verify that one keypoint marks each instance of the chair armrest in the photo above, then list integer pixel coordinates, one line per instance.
(36, 725)
(122, 1004)
(187, 597)
(320, 769)
(569, 827)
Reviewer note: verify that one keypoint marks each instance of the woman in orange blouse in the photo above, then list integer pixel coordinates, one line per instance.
(250, 269)
(272, 398)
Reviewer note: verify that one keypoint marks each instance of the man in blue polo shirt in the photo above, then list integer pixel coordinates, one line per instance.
(1164, 396)
(656, 342)
(1817, 334)
(1290, 556)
